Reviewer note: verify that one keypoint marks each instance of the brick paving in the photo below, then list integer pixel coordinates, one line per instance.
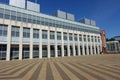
(92, 67)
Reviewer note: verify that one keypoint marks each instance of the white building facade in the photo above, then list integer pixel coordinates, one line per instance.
(26, 34)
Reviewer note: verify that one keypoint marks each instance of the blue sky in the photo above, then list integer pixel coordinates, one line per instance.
(106, 13)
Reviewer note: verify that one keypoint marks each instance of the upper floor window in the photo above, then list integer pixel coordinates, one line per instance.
(3, 30)
(75, 37)
(52, 35)
(70, 37)
(65, 36)
(88, 38)
(44, 34)
(58, 35)
(84, 38)
(26, 32)
(80, 37)
(36, 33)
(15, 31)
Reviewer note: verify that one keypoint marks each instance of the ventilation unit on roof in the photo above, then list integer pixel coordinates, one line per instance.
(17, 3)
(33, 6)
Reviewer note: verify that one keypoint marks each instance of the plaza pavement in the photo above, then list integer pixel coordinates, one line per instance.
(91, 67)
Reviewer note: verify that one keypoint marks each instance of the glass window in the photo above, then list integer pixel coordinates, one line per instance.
(1, 15)
(65, 36)
(29, 18)
(15, 31)
(36, 33)
(7, 11)
(58, 35)
(3, 30)
(84, 38)
(34, 19)
(3, 49)
(44, 34)
(1, 10)
(88, 38)
(75, 37)
(7, 16)
(19, 16)
(13, 17)
(92, 38)
(52, 35)
(80, 37)
(70, 37)
(26, 32)
(95, 39)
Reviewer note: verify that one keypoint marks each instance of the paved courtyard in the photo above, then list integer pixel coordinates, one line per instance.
(93, 67)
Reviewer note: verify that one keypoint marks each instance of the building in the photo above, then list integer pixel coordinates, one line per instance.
(117, 38)
(29, 34)
(103, 38)
(113, 46)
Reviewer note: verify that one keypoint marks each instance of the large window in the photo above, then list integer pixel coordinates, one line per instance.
(1, 12)
(65, 36)
(95, 39)
(52, 35)
(44, 34)
(26, 32)
(88, 38)
(36, 33)
(98, 39)
(24, 17)
(75, 37)
(13, 15)
(92, 38)
(58, 35)
(84, 38)
(7, 14)
(80, 37)
(70, 37)
(15, 31)
(3, 50)
(3, 30)
(19, 16)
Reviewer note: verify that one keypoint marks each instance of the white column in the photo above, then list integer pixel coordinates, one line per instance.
(68, 44)
(48, 46)
(62, 47)
(94, 44)
(56, 48)
(31, 43)
(91, 49)
(78, 45)
(74, 52)
(98, 45)
(40, 43)
(21, 45)
(83, 48)
(87, 48)
(8, 43)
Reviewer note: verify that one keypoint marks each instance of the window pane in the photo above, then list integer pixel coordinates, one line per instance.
(13, 34)
(7, 16)
(1, 10)
(1, 15)
(0, 32)
(5, 33)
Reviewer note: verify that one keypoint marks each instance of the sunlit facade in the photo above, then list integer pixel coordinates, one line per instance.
(29, 34)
